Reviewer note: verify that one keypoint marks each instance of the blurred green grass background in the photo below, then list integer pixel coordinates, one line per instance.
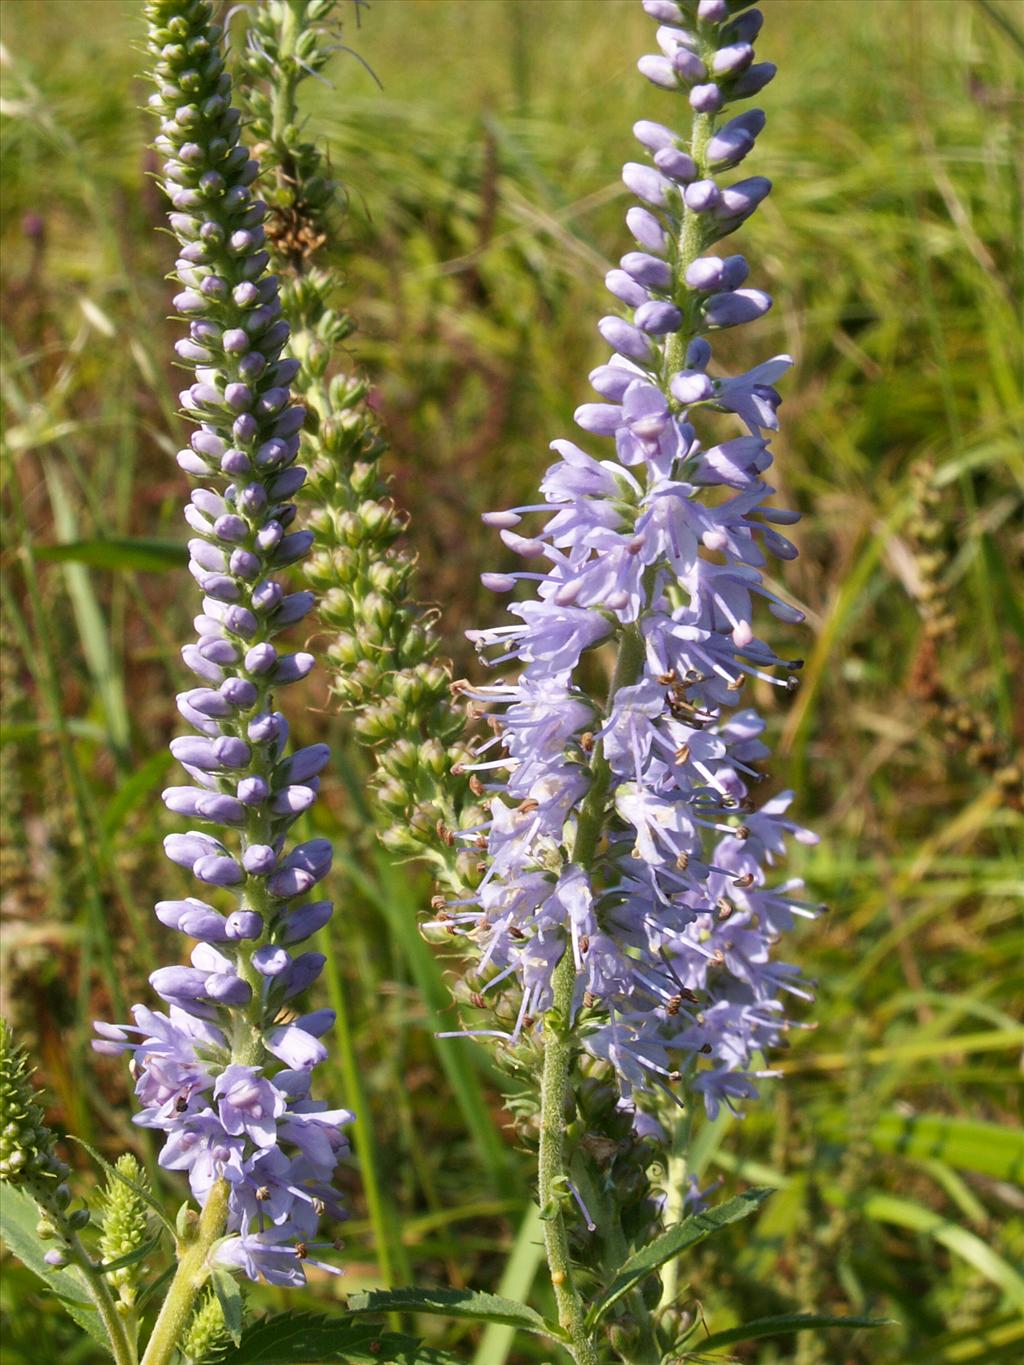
(484, 207)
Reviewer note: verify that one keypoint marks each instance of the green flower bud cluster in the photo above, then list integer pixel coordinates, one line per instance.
(206, 1338)
(124, 1225)
(383, 649)
(27, 1144)
(617, 1154)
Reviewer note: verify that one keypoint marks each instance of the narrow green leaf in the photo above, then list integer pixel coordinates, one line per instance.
(134, 791)
(229, 1295)
(998, 1338)
(307, 1339)
(782, 1326)
(132, 1257)
(93, 626)
(991, 1149)
(19, 1215)
(453, 1303)
(145, 1195)
(887, 1208)
(689, 1233)
(145, 554)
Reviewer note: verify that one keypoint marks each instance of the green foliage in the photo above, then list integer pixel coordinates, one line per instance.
(673, 1242)
(19, 1222)
(783, 1326)
(454, 1303)
(303, 1338)
(228, 1294)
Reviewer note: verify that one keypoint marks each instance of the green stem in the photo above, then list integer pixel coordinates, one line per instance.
(560, 1046)
(192, 1273)
(284, 104)
(675, 1199)
(121, 1346)
(690, 244)
(559, 1055)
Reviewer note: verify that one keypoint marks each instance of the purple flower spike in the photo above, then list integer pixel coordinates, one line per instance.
(657, 544)
(227, 1085)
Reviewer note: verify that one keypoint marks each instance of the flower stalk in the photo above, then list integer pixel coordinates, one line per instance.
(194, 1266)
(625, 895)
(226, 1073)
(383, 654)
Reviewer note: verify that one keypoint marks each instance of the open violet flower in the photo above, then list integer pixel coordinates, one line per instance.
(624, 830)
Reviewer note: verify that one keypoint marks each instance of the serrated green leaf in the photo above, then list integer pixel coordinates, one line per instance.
(144, 1194)
(453, 1303)
(146, 554)
(783, 1325)
(308, 1339)
(689, 1233)
(229, 1296)
(19, 1215)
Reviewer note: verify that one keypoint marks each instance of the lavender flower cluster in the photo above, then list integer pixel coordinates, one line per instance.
(226, 1072)
(624, 832)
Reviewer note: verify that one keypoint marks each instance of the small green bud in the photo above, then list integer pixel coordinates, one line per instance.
(186, 1223)
(79, 1219)
(365, 481)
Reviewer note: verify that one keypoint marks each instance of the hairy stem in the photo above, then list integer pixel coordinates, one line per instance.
(560, 1045)
(192, 1273)
(559, 1056)
(675, 1199)
(121, 1346)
